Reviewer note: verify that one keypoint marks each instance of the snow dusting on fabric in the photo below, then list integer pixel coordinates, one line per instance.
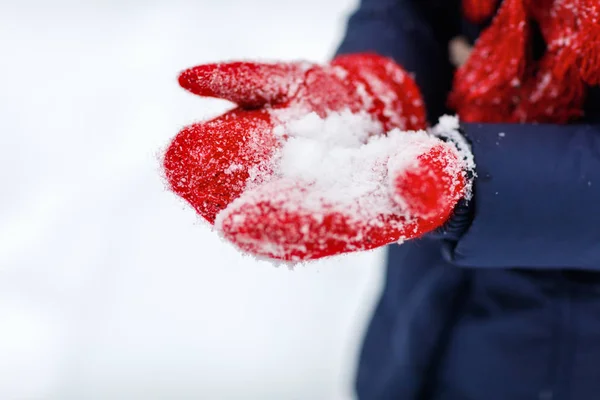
(317, 160)
(331, 189)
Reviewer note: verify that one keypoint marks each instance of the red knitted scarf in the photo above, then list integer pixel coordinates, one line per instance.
(502, 82)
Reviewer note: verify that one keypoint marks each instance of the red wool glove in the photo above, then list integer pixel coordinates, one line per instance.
(315, 160)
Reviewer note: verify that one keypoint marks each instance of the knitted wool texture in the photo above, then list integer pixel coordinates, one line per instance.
(503, 82)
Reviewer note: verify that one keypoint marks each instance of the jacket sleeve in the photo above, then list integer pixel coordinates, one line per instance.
(415, 33)
(536, 198)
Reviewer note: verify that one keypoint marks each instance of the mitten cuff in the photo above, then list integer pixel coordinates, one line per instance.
(448, 130)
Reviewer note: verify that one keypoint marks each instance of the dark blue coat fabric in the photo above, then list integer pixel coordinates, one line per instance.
(503, 303)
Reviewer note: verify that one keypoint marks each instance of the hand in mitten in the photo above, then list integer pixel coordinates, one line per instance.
(315, 160)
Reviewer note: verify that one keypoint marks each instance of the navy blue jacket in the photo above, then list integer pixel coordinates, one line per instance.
(503, 303)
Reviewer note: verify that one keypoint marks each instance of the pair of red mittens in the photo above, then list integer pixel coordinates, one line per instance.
(316, 160)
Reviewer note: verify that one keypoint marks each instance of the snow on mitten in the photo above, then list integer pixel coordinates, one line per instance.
(316, 160)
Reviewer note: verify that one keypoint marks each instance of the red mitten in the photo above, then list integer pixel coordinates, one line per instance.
(316, 160)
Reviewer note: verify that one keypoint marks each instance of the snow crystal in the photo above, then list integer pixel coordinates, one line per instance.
(343, 129)
(233, 168)
(342, 164)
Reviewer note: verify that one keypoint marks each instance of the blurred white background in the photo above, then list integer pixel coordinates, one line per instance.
(110, 286)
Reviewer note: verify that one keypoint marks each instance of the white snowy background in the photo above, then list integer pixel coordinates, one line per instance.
(110, 287)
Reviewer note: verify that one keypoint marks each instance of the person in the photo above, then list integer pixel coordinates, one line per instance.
(504, 302)
(496, 297)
